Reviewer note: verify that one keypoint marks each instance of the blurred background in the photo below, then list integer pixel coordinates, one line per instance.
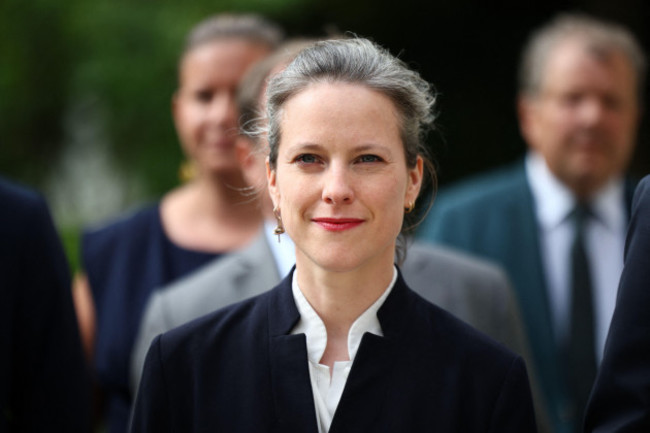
(86, 85)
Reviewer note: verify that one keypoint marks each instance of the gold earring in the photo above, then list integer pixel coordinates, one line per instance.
(187, 171)
(409, 208)
(279, 229)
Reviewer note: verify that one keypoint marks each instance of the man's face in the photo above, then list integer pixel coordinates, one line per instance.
(584, 118)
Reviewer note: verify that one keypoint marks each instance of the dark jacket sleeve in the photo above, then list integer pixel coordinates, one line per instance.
(620, 400)
(151, 412)
(514, 408)
(49, 388)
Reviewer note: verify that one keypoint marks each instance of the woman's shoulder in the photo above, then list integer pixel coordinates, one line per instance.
(132, 220)
(126, 229)
(230, 327)
(454, 335)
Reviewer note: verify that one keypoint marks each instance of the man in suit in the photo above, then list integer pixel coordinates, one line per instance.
(621, 397)
(43, 378)
(565, 205)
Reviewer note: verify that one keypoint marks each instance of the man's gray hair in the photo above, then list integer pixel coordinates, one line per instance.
(598, 35)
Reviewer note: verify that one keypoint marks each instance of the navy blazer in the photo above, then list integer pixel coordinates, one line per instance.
(620, 400)
(493, 216)
(44, 385)
(240, 370)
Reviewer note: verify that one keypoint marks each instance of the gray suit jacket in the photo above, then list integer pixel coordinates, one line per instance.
(473, 290)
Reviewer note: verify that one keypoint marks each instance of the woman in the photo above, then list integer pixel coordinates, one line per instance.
(342, 343)
(194, 223)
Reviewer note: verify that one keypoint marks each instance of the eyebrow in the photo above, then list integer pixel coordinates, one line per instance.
(317, 147)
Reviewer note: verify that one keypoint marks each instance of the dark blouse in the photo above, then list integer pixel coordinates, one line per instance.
(125, 261)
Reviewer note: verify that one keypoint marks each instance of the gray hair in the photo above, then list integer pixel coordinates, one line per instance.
(251, 88)
(356, 61)
(598, 35)
(249, 27)
(360, 61)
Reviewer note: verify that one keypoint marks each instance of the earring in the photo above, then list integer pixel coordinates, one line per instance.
(279, 229)
(187, 171)
(409, 208)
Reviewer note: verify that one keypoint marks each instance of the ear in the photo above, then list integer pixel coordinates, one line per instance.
(174, 108)
(526, 114)
(415, 175)
(271, 178)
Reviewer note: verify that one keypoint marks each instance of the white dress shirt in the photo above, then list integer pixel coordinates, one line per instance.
(604, 239)
(327, 388)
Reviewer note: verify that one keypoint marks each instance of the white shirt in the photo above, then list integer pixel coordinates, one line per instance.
(604, 239)
(327, 393)
(284, 252)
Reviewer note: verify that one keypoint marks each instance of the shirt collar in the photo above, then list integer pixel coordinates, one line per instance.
(554, 201)
(313, 327)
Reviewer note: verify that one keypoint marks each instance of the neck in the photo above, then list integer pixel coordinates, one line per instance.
(339, 298)
(223, 197)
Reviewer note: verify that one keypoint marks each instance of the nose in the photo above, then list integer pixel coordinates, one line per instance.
(337, 186)
(592, 111)
(223, 110)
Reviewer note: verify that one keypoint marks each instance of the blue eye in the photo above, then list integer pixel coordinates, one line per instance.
(306, 158)
(369, 158)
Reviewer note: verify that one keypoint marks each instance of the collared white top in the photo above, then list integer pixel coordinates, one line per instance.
(327, 389)
(604, 239)
(284, 252)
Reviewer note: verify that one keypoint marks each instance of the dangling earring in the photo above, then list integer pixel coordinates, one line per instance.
(187, 171)
(279, 229)
(409, 208)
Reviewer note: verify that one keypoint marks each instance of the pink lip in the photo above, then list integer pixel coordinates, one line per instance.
(338, 224)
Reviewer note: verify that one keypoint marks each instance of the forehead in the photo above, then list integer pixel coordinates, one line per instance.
(335, 113)
(576, 62)
(224, 59)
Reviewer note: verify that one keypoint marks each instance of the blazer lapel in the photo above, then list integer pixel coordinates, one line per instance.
(362, 403)
(361, 407)
(292, 393)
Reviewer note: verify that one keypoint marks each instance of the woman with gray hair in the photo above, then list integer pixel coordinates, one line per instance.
(341, 344)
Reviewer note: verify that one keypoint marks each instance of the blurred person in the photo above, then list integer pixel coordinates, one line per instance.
(556, 221)
(620, 401)
(44, 382)
(191, 225)
(471, 289)
(341, 343)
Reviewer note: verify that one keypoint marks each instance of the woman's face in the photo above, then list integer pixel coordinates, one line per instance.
(341, 181)
(204, 107)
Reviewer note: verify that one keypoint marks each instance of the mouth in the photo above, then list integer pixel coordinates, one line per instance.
(338, 224)
(220, 144)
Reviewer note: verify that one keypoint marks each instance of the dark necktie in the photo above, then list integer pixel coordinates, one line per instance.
(581, 349)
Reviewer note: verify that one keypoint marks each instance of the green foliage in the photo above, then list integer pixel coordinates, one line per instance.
(34, 79)
(105, 65)
(119, 55)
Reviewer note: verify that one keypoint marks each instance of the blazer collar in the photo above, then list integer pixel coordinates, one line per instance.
(292, 394)
(362, 402)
